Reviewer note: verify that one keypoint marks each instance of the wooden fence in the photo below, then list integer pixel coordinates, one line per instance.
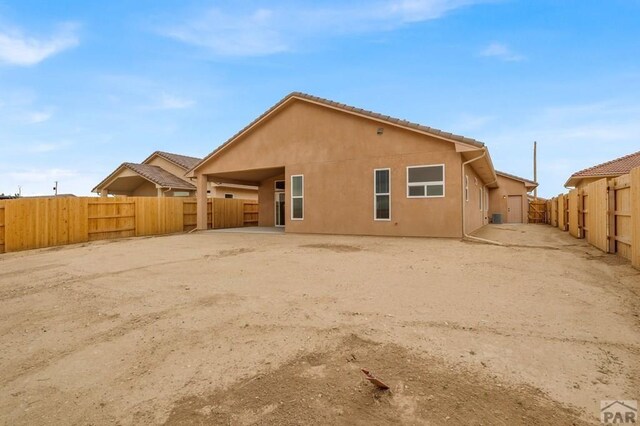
(29, 223)
(537, 211)
(606, 213)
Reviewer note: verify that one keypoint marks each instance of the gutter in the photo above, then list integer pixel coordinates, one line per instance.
(464, 202)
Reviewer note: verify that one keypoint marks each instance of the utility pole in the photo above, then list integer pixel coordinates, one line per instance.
(55, 188)
(535, 169)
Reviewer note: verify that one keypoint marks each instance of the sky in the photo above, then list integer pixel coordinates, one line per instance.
(85, 86)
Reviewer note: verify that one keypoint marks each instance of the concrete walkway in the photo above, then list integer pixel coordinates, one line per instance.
(252, 230)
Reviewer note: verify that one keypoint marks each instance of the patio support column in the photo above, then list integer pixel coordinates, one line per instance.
(201, 198)
(104, 192)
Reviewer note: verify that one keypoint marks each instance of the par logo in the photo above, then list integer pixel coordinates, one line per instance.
(619, 412)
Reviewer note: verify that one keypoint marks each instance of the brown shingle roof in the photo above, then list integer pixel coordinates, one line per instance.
(184, 161)
(350, 109)
(159, 176)
(619, 166)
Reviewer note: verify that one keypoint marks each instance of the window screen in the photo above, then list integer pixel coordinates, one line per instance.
(297, 197)
(382, 194)
(425, 181)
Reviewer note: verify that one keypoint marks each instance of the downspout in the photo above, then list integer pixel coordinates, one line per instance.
(464, 202)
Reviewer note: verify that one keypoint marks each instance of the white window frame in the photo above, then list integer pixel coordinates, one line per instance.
(375, 196)
(297, 196)
(426, 184)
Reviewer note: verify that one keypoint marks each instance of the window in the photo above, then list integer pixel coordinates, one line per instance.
(180, 194)
(425, 181)
(480, 198)
(279, 185)
(228, 195)
(466, 188)
(382, 194)
(297, 197)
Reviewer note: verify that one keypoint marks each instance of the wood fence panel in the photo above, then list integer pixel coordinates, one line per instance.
(621, 215)
(561, 213)
(43, 222)
(189, 214)
(597, 218)
(554, 212)
(537, 211)
(634, 201)
(147, 216)
(250, 213)
(574, 213)
(2, 227)
(111, 218)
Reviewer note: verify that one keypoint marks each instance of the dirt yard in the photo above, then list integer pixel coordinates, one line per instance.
(232, 328)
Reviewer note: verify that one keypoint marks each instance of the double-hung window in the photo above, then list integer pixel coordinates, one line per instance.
(425, 181)
(297, 197)
(382, 194)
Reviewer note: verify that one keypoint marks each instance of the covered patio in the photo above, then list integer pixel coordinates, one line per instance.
(271, 193)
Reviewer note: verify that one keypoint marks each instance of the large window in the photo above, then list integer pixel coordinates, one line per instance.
(382, 194)
(425, 181)
(297, 197)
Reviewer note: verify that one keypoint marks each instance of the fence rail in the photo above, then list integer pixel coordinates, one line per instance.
(30, 223)
(606, 213)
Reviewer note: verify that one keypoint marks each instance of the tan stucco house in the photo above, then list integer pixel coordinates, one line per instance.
(163, 174)
(510, 199)
(610, 169)
(325, 167)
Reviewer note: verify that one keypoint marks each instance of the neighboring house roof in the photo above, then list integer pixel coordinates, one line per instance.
(527, 182)
(153, 174)
(617, 167)
(184, 161)
(349, 109)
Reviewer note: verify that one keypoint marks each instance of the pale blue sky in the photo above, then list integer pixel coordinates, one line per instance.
(85, 86)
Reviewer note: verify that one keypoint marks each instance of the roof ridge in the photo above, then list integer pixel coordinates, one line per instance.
(606, 163)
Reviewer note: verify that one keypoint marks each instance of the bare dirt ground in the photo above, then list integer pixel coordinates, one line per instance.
(231, 328)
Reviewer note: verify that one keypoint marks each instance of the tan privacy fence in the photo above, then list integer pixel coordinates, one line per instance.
(606, 213)
(30, 223)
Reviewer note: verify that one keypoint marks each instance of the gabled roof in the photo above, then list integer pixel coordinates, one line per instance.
(349, 109)
(617, 167)
(527, 183)
(153, 174)
(183, 161)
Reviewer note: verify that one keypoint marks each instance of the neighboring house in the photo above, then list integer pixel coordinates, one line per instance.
(325, 167)
(511, 200)
(162, 174)
(610, 169)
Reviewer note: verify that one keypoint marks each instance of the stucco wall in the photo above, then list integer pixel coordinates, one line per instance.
(474, 216)
(498, 198)
(147, 189)
(337, 153)
(218, 191)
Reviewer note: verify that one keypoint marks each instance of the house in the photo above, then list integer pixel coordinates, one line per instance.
(325, 167)
(162, 174)
(610, 169)
(510, 199)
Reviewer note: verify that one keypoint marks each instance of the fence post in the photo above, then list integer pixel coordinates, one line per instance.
(611, 215)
